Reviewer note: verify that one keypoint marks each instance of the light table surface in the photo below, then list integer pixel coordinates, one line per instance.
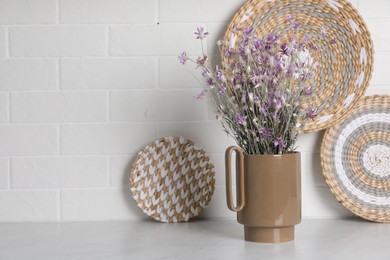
(315, 239)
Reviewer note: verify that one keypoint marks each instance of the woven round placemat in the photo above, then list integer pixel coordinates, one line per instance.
(345, 67)
(355, 158)
(172, 180)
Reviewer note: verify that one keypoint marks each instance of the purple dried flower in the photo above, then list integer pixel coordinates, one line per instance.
(263, 109)
(229, 53)
(240, 119)
(287, 49)
(218, 73)
(211, 83)
(290, 18)
(307, 91)
(206, 73)
(222, 90)
(260, 43)
(237, 79)
(261, 86)
(201, 95)
(296, 25)
(299, 45)
(265, 132)
(311, 112)
(201, 62)
(274, 114)
(278, 142)
(256, 100)
(272, 38)
(333, 41)
(312, 46)
(201, 33)
(247, 30)
(277, 103)
(183, 57)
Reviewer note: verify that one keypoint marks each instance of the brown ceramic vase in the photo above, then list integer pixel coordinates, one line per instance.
(268, 194)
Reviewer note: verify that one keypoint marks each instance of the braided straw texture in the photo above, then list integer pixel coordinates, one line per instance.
(172, 180)
(355, 158)
(345, 67)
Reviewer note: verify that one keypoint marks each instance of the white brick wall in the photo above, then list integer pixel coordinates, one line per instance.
(175, 105)
(28, 140)
(153, 40)
(109, 73)
(4, 173)
(28, 11)
(107, 11)
(3, 42)
(26, 74)
(4, 107)
(65, 172)
(84, 85)
(29, 205)
(54, 107)
(54, 41)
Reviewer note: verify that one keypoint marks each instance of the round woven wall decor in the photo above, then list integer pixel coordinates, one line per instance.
(172, 180)
(355, 158)
(345, 67)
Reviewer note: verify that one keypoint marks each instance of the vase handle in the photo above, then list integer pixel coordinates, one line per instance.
(240, 194)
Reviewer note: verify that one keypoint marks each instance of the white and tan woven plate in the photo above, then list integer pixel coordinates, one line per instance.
(355, 158)
(345, 67)
(172, 180)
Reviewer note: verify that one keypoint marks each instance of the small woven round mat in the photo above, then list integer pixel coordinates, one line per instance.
(172, 180)
(355, 158)
(345, 67)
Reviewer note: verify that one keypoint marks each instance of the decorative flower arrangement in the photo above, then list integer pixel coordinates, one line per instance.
(260, 87)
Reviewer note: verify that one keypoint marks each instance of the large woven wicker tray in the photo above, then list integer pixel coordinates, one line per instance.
(345, 67)
(355, 157)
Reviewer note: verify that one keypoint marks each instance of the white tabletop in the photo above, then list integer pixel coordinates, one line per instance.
(200, 239)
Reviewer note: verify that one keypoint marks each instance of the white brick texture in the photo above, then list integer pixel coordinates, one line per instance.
(3, 108)
(27, 74)
(68, 172)
(311, 168)
(318, 202)
(52, 41)
(164, 105)
(185, 75)
(144, 39)
(85, 85)
(106, 138)
(208, 136)
(27, 11)
(381, 40)
(374, 9)
(132, 73)
(28, 140)
(28, 206)
(381, 75)
(4, 174)
(107, 11)
(64, 107)
(198, 11)
(3, 42)
(120, 170)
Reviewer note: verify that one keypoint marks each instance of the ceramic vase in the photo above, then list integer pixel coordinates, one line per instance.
(268, 194)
